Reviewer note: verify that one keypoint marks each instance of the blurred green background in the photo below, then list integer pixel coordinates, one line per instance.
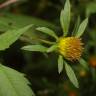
(41, 69)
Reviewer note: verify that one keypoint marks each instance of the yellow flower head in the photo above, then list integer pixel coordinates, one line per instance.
(70, 47)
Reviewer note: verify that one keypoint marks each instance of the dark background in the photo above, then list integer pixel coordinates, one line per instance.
(41, 70)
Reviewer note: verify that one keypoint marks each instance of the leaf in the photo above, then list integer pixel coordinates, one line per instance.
(60, 64)
(18, 21)
(76, 26)
(35, 48)
(82, 27)
(47, 31)
(71, 75)
(84, 63)
(65, 18)
(52, 48)
(8, 38)
(13, 83)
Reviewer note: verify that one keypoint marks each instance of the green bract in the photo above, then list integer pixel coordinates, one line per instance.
(65, 18)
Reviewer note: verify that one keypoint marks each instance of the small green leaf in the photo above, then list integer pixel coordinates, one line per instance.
(60, 64)
(8, 38)
(47, 31)
(65, 17)
(39, 48)
(52, 48)
(71, 75)
(76, 26)
(13, 83)
(82, 27)
(84, 63)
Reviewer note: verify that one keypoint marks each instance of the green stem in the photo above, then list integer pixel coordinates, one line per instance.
(45, 41)
(27, 39)
(93, 70)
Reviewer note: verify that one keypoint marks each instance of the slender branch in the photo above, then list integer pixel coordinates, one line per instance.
(8, 2)
(45, 41)
(26, 39)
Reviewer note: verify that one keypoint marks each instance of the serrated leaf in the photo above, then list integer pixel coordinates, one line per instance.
(84, 63)
(39, 48)
(65, 17)
(52, 48)
(60, 64)
(82, 27)
(71, 75)
(13, 83)
(47, 31)
(8, 38)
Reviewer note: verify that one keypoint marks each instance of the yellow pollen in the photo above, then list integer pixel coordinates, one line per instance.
(70, 47)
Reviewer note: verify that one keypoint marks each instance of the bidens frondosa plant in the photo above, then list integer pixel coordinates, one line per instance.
(68, 47)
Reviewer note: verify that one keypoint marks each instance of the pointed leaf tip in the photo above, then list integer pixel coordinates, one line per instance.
(82, 28)
(47, 31)
(65, 17)
(8, 38)
(71, 75)
(60, 64)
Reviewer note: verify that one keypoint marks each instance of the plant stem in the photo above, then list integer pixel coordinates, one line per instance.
(45, 41)
(8, 2)
(27, 39)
